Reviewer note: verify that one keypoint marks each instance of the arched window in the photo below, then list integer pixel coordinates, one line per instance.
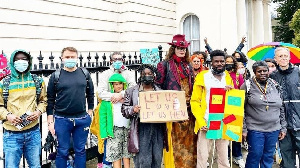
(191, 29)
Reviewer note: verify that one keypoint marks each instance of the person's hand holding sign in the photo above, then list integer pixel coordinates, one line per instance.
(136, 109)
(228, 87)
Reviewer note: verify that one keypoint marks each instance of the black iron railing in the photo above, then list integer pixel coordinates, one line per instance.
(101, 63)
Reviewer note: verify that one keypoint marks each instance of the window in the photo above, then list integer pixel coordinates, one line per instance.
(191, 29)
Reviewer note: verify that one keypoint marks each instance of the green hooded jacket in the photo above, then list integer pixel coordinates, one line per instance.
(105, 111)
(22, 94)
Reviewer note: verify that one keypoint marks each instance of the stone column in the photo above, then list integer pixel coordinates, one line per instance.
(267, 21)
(258, 27)
(241, 19)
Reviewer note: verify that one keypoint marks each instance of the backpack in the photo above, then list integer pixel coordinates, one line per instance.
(57, 75)
(6, 83)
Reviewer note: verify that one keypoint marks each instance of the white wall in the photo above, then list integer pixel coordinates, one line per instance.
(115, 25)
(146, 24)
(50, 25)
(217, 21)
(89, 25)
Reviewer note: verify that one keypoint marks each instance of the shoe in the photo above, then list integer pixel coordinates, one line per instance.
(207, 164)
(239, 162)
(106, 166)
(99, 165)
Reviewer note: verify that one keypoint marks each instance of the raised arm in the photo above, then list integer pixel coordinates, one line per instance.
(241, 45)
(207, 46)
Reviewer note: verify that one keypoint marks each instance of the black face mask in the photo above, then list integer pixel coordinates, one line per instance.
(216, 71)
(147, 80)
(238, 59)
(229, 67)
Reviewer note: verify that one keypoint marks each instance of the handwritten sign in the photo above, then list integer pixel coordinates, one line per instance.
(217, 99)
(162, 106)
(150, 56)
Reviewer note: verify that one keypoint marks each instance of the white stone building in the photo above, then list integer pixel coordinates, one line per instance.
(128, 25)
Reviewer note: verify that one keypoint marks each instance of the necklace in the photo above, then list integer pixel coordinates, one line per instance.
(237, 79)
(263, 91)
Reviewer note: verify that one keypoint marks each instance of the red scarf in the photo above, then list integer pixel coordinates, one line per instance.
(182, 66)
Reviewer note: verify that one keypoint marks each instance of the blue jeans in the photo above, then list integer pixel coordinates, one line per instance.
(236, 150)
(17, 144)
(104, 156)
(261, 148)
(78, 129)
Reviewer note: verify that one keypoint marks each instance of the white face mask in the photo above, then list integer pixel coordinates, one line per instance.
(272, 70)
(241, 71)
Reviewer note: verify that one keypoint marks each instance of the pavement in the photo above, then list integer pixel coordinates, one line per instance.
(93, 163)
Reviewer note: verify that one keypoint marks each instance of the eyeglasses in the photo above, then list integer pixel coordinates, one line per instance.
(181, 48)
(283, 56)
(117, 59)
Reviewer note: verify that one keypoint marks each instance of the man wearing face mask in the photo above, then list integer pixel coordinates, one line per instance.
(66, 110)
(22, 94)
(117, 66)
(217, 77)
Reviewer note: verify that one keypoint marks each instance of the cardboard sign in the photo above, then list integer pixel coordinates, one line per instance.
(226, 113)
(162, 106)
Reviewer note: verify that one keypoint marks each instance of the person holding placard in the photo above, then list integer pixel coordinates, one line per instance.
(146, 140)
(216, 77)
(231, 67)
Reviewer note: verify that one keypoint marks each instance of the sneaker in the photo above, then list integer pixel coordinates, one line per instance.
(99, 165)
(106, 166)
(239, 162)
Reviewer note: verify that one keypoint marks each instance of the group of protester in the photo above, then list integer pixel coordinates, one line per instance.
(271, 110)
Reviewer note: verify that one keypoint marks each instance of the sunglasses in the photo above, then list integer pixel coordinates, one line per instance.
(181, 48)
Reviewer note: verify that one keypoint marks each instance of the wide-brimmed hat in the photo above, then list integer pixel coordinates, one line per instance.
(179, 41)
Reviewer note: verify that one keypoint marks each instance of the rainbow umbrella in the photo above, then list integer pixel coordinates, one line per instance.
(266, 50)
(4, 70)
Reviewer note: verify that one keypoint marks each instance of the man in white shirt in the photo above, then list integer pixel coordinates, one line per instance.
(216, 77)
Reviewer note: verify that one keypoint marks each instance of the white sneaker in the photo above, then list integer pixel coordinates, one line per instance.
(239, 162)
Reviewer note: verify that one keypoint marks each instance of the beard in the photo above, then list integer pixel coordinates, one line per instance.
(217, 71)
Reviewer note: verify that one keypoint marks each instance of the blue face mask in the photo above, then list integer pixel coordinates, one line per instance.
(117, 64)
(70, 63)
(21, 65)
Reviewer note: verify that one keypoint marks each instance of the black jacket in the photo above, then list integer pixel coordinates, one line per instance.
(289, 80)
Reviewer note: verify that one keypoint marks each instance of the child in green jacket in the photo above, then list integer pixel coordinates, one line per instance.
(114, 126)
